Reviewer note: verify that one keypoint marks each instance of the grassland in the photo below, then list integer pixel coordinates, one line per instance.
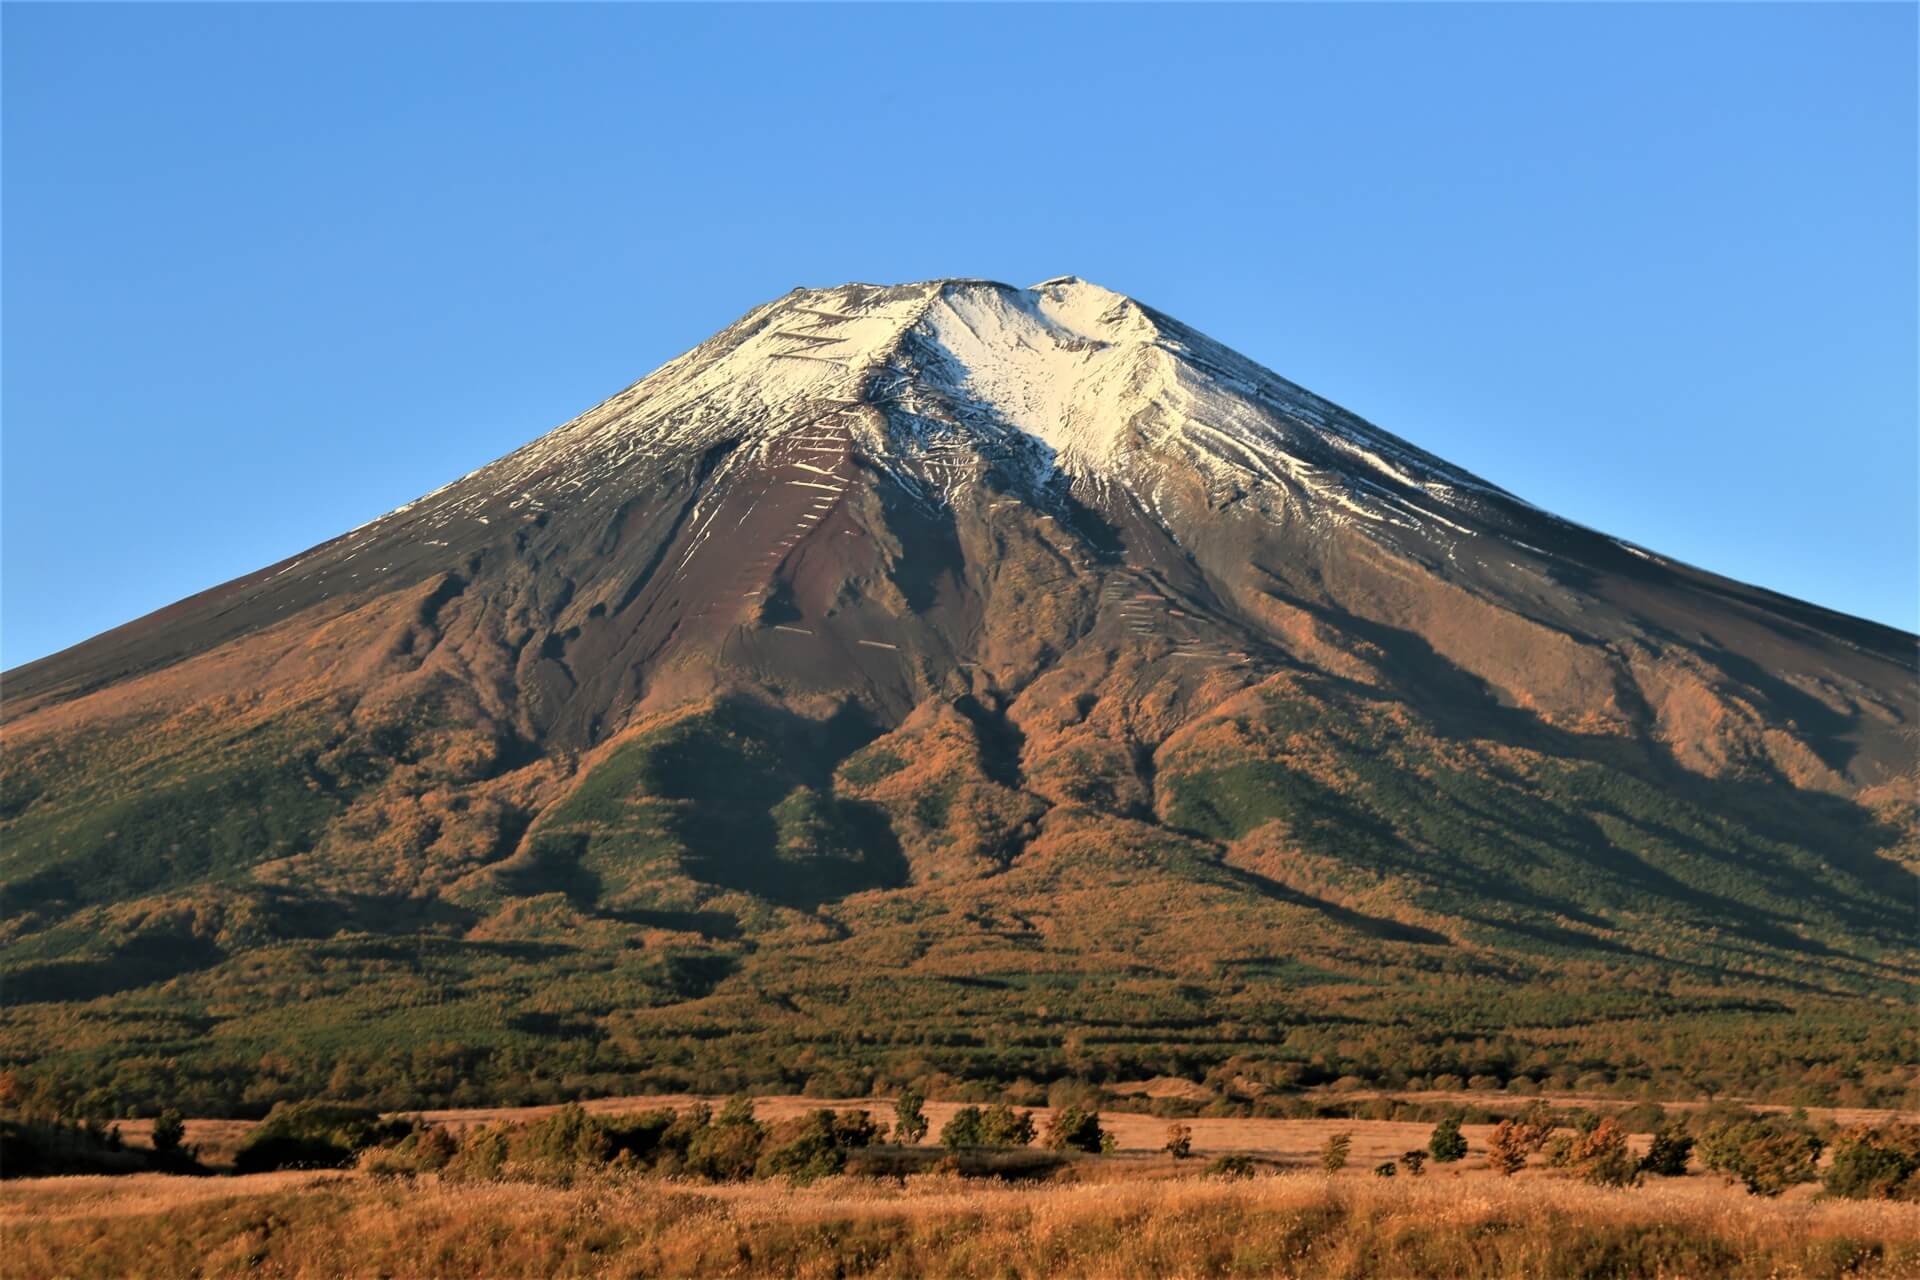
(1119, 1218)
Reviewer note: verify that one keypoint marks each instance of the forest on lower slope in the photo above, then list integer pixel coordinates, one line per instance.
(1311, 883)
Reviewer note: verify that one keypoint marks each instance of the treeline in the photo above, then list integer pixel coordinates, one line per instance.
(1766, 1153)
(728, 1145)
(551, 1061)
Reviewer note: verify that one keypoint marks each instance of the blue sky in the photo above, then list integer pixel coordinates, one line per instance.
(273, 270)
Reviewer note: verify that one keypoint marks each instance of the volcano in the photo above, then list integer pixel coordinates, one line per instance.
(963, 678)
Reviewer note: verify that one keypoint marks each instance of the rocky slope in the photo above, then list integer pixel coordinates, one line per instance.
(900, 640)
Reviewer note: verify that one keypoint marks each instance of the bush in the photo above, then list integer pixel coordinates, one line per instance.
(1876, 1164)
(1414, 1162)
(728, 1149)
(1516, 1138)
(966, 1128)
(168, 1131)
(1075, 1129)
(1601, 1157)
(855, 1130)
(1767, 1155)
(1231, 1167)
(1446, 1145)
(1672, 1146)
(1386, 1169)
(1179, 1141)
(812, 1153)
(482, 1156)
(315, 1135)
(1333, 1154)
(909, 1120)
(562, 1141)
(1002, 1126)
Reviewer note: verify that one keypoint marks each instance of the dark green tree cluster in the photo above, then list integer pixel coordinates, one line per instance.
(1076, 1129)
(316, 1135)
(996, 1126)
(1766, 1154)
(1446, 1144)
(1876, 1163)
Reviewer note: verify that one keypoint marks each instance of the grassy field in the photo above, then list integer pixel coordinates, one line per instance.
(1136, 1212)
(1115, 1218)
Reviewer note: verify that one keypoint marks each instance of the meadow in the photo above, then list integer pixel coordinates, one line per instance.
(1270, 1210)
(1120, 1221)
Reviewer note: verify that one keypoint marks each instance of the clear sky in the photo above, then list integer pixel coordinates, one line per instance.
(273, 270)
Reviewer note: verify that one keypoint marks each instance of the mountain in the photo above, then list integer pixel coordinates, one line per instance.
(958, 681)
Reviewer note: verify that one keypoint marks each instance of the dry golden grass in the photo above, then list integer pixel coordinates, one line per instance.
(311, 1226)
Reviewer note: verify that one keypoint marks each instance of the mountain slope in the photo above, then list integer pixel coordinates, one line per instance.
(1016, 671)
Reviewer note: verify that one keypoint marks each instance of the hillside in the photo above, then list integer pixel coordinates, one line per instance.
(958, 680)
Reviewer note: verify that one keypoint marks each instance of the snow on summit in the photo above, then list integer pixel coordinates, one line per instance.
(942, 382)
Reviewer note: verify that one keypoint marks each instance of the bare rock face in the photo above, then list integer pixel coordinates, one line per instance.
(885, 595)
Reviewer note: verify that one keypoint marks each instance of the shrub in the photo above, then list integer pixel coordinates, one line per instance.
(1876, 1164)
(1386, 1169)
(909, 1120)
(1446, 1145)
(728, 1149)
(482, 1156)
(1002, 1126)
(1074, 1129)
(1333, 1153)
(641, 1136)
(812, 1153)
(1231, 1167)
(1179, 1141)
(854, 1130)
(1516, 1138)
(168, 1131)
(1414, 1162)
(1672, 1146)
(739, 1110)
(562, 1141)
(1600, 1156)
(966, 1128)
(433, 1148)
(1767, 1155)
(315, 1135)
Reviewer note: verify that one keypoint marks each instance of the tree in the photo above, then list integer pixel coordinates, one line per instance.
(909, 1120)
(727, 1147)
(1446, 1145)
(1333, 1153)
(965, 1129)
(1516, 1138)
(168, 1131)
(1767, 1155)
(1074, 1129)
(1876, 1164)
(853, 1130)
(1179, 1141)
(1668, 1155)
(1414, 1162)
(814, 1152)
(739, 1110)
(1002, 1126)
(1601, 1157)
